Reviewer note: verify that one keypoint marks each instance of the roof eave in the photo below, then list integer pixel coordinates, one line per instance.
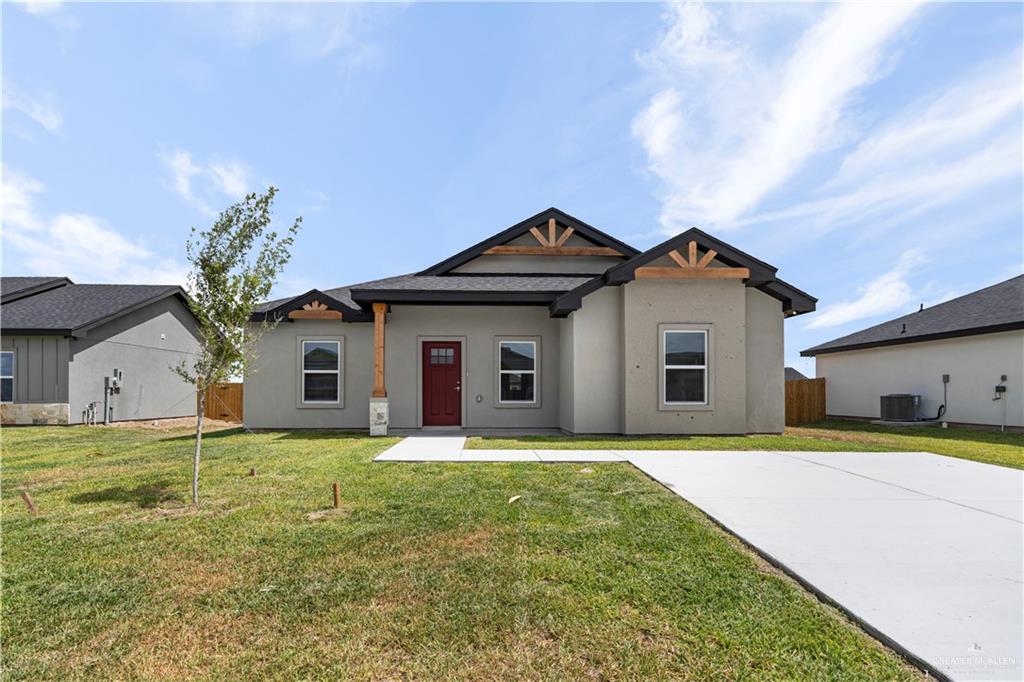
(366, 297)
(794, 301)
(31, 331)
(572, 300)
(937, 336)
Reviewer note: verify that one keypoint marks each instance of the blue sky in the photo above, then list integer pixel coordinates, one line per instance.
(871, 152)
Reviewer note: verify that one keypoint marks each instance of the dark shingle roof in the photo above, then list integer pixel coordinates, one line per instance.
(999, 307)
(13, 288)
(510, 284)
(339, 293)
(794, 374)
(504, 283)
(78, 306)
(561, 292)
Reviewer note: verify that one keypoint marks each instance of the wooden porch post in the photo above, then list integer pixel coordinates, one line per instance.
(379, 314)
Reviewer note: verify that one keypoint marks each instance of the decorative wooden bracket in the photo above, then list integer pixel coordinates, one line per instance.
(314, 311)
(692, 268)
(552, 245)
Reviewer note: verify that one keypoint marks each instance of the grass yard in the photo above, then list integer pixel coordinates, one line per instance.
(427, 573)
(990, 447)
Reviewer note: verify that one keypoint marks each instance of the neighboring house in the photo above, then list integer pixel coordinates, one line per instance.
(793, 374)
(61, 343)
(548, 324)
(977, 340)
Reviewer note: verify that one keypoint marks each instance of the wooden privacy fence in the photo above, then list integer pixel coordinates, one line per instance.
(805, 401)
(224, 402)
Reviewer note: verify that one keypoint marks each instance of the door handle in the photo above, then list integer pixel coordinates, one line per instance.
(458, 386)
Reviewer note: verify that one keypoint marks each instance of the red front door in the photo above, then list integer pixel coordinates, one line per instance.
(442, 383)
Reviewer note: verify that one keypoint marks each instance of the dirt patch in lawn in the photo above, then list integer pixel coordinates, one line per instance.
(188, 577)
(324, 514)
(477, 540)
(175, 424)
(176, 649)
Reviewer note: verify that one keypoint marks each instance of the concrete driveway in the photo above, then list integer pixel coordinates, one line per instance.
(926, 550)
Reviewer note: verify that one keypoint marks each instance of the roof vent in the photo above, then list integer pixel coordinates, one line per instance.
(904, 329)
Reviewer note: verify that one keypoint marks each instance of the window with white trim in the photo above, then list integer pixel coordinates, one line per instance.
(517, 372)
(685, 367)
(6, 376)
(321, 371)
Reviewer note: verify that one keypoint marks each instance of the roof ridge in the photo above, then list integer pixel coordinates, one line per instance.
(969, 293)
(872, 336)
(936, 306)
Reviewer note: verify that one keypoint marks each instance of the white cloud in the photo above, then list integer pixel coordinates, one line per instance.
(40, 7)
(39, 107)
(945, 147)
(940, 123)
(729, 127)
(182, 170)
(657, 127)
(309, 31)
(207, 184)
(886, 293)
(81, 246)
(910, 192)
(230, 177)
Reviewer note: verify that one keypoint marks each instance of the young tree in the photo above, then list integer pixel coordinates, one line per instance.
(234, 265)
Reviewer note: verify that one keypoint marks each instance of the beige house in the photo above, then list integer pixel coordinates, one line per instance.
(549, 324)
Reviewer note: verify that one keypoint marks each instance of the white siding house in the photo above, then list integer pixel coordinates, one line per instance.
(975, 341)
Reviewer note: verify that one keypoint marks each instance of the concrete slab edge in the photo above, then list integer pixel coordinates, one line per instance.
(886, 641)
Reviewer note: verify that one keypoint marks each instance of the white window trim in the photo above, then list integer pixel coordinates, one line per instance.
(340, 342)
(10, 376)
(535, 342)
(665, 367)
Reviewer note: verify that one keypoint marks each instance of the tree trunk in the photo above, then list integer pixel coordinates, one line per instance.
(200, 410)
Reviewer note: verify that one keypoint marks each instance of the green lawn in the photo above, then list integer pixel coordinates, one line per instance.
(427, 573)
(991, 447)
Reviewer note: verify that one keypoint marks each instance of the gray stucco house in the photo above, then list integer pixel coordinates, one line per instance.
(61, 343)
(550, 323)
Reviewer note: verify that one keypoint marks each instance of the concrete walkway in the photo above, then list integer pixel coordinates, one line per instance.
(424, 449)
(925, 550)
(450, 449)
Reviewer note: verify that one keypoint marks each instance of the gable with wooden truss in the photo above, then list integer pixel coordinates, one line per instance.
(314, 305)
(550, 242)
(693, 254)
(315, 310)
(696, 264)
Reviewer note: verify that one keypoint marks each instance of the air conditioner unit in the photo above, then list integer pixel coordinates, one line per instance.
(900, 407)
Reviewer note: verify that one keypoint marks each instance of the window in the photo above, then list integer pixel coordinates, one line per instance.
(442, 356)
(517, 372)
(321, 371)
(686, 369)
(6, 377)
